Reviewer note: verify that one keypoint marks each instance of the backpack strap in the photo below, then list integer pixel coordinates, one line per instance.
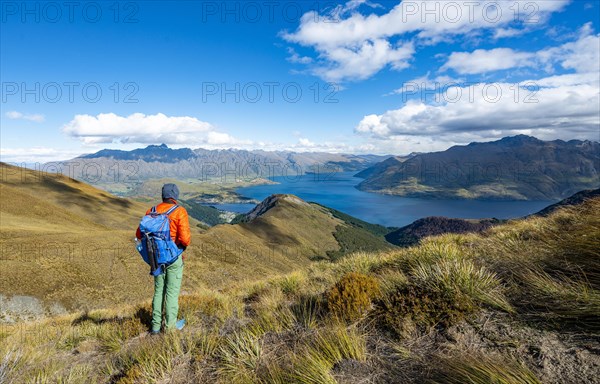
(171, 209)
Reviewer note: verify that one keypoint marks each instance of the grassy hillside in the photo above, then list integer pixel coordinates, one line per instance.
(518, 304)
(65, 242)
(67, 245)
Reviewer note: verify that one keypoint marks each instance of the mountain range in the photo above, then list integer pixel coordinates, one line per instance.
(118, 170)
(513, 168)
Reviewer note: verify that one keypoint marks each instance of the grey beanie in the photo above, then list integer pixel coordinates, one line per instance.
(170, 191)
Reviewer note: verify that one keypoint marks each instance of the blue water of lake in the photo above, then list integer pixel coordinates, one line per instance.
(338, 191)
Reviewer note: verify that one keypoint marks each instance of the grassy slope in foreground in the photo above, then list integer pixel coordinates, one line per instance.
(67, 243)
(519, 304)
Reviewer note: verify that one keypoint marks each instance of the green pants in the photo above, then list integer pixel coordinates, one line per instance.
(166, 293)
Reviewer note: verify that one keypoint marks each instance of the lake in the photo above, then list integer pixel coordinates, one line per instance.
(338, 191)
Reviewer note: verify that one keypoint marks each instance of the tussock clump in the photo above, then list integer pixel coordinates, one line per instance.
(560, 302)
(240, 357)
(131, 328)
(445, 247)
(145, 359)
(337, 343)
(276, 320)
(360, 262)
(551, 265)
(291, 284)
(462, 277)
(312, 368)
(9, 364)
(113, 332)
(391, 280)
(207, 304)
(307, 310)
(443, 287)
(329, 347)
(206, 344)
(483, 370)
(350, 298)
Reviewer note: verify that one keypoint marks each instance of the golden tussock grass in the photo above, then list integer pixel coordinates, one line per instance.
(540, 273)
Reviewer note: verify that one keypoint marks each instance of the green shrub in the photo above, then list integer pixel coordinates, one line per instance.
(350, 298)
(416, 305)
(130, 376)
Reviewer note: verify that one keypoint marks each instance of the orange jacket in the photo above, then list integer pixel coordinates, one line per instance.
(180, 224)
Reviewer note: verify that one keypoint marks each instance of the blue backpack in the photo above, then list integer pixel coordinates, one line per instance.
(157, 248)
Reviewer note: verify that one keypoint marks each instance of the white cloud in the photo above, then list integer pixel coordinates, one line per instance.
(496, 110)
(295, 58)
(362, 61)
(353, 5)
(146, 129)
(581, 56)
(427, 82)
(483, 61)
(14, 115)
(306, 142)
(306, 145)
(36, 154)
(177, 132)
(506, 32)
(343, 39)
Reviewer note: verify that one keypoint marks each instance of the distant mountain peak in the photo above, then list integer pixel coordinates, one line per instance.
(508, 140)
(152, 146)
(152, 153)
(520, 139)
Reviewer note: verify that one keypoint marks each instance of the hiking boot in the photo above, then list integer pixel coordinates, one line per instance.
(180, 324)
(154, 333)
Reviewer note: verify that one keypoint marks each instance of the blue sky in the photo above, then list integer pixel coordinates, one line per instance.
(180, 66)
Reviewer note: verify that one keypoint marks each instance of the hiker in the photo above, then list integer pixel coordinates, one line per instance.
(167, 277)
